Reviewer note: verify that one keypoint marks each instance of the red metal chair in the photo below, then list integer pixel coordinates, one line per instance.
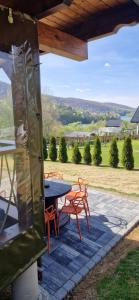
(50, 215)
(75, 207)
(53, 175)
(79, 189)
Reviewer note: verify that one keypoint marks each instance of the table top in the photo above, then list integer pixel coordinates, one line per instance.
(56, 189)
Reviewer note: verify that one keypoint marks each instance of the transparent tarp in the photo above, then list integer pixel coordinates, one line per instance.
(15, 180)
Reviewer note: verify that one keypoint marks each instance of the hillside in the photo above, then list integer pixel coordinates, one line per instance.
(92, 106)
(80, 104)
(4, 89)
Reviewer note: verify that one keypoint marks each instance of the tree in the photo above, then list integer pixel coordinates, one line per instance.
(114, 155)
(87, 154)
(45, 153)
(63, 157)
(53, 149)
(97, 158)
(51, 124)
(127, 154)
(76, 157)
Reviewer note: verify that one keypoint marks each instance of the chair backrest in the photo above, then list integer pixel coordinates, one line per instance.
(53, 175)
(49, 212)
(78, 202)
(83, 184)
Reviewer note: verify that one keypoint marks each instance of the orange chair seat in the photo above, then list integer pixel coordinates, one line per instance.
(70, 209)
(73, 194)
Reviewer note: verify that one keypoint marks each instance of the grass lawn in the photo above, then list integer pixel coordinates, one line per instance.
(105, 177)
(105, 152)
(124, 282)
(118, 180)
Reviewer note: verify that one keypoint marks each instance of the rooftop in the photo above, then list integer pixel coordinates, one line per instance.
(135, 118)
(113, 123)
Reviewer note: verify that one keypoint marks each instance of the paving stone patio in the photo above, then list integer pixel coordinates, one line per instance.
(70, 259)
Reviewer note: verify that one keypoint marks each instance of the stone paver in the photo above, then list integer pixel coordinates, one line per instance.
(71, 259)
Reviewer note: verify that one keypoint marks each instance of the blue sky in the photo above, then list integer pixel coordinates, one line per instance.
(111, 73)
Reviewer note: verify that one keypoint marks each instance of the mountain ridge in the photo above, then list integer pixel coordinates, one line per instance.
(91, 105)
(79, 103)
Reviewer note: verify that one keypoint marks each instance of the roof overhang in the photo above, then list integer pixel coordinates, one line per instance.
(73, 23)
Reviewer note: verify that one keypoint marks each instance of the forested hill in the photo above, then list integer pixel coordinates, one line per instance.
(79, 104)
(92, 106)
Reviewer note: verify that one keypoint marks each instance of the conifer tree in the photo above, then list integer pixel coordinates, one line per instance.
(53, 149)
(45, 153)
(97, 158)
(127, 154)
(63, 157)
(87, 154)
(114, 155)
(76, 156)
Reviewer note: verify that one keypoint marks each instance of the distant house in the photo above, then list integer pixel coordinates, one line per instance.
(135, 119)
(113, 126)
(114, 123)
(77, 136)
(109, 130)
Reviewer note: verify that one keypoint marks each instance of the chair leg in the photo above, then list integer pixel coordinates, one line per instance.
(48, 236)
(87, 219)
(78, 226)
(58, 222)
(87, 207)
(55, 229)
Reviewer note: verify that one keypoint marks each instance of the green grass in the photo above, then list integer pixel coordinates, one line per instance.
(124, 283)
(105, 152)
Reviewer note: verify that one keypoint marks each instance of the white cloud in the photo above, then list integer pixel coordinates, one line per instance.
(80, 90)
(107, 65)
(83, 90)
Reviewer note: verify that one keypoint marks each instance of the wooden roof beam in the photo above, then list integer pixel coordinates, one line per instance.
(55, 41)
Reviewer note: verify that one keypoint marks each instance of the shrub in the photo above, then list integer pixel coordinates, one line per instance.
(45, 153)
(127, 154)
(76, 157)
(97, 158)
(87, 154)
(114, 155)
(52, 149)
(63, 157)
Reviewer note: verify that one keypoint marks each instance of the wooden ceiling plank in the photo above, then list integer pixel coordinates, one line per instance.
(99, 4)
(80, 10)
(63, 16)
(61, 43)
(54, 9)
(85, 5)
(51, 23)
(107, 22)
(57, 20)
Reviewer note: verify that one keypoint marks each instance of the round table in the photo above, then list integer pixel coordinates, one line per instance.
(55, 190)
